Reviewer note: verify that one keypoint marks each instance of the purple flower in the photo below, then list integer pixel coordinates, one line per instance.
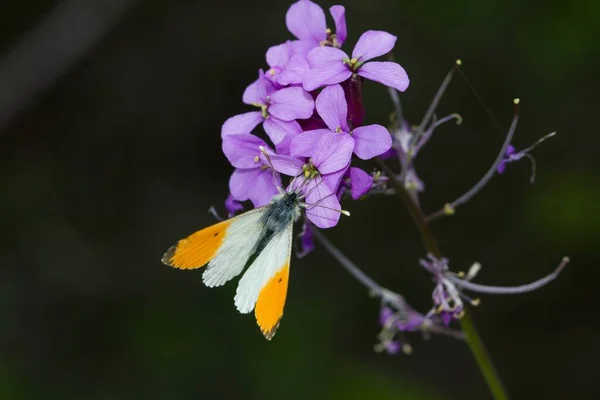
(286, 68)
(307, 244)
(233, 206)
(330, 65)
(447, 299)
(394, 323)
(279, 110)
(357, 181)
(368, 141)
(306, 21)
(511, 155)
(510, 151)
(253, 178)
(321, 177)
(448, 296)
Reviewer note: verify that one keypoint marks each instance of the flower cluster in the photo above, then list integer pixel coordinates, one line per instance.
(308, 102)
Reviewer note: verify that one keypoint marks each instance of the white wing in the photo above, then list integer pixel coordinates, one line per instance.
(241, 238)
(274, 257)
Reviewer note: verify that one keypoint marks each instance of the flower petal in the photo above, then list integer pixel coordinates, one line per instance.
(323, 75)
(305, 144)
(278, 56)
(283, 147)
(241, 124)
(373, 44)
(501, 167)
(332, 108)
(306, 21)
(371, 141)
(322, 204)
(360, 182)
(257, 91)
(389, 73)
(286, 165)
(303, 47)
(278, 129)
(232, 206)
(264, 188)
(291, 103)
(333, 152)
(334, 180)
(327, 68)
(292, 74)
(307, 244)
(412, 182)
(241, 150)
(325, 55)
(339, 18)
(241, 181)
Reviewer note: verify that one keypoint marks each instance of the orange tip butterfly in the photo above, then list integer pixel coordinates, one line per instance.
(226, 247)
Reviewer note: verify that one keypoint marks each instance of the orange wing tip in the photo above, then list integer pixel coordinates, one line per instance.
(269, 333)
(198, 249)
(271, 301)
(168, 256)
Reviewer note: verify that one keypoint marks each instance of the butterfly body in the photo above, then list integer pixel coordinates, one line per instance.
(226, 247)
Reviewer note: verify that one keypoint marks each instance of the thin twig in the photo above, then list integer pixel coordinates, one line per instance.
(475, 287)
(484, 362)
(437, 97)
(449, 208)
(346, 263)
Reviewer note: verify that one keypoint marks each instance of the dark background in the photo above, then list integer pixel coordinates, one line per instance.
(111, 152)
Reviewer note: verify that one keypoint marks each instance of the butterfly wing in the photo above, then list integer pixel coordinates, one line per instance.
(263, 286)
(225, 247)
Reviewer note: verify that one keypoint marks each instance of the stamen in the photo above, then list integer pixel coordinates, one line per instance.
(276, 179)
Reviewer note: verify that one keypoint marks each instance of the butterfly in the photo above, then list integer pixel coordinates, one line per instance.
(261, 237)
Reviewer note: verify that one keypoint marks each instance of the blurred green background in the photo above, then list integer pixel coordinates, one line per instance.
(115, 154)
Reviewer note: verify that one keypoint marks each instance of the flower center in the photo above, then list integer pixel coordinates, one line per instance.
(264, 108)
(353, 63)
(331, 40)
(310, 171)
(274, 70)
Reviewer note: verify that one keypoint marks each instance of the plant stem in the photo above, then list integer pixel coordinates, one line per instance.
(473, 340)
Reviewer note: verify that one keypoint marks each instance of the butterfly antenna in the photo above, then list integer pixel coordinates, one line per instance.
(343, 212)
(276, 177)
(311, 190)
(313, 205)
(305, 179)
